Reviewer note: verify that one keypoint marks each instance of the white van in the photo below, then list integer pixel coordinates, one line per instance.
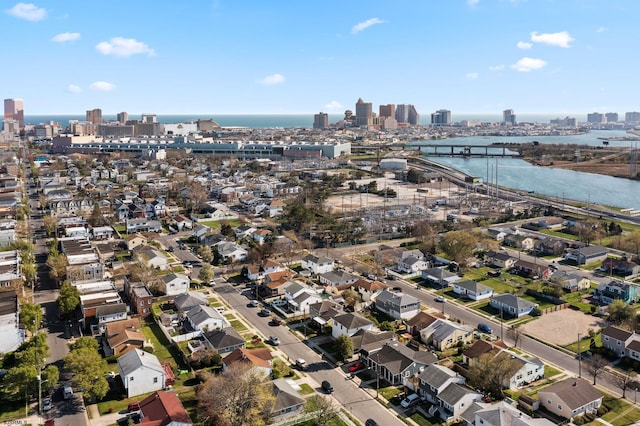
(67, 392)
(410, 400)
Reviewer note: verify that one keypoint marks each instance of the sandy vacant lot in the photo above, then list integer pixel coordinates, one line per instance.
(562, 327)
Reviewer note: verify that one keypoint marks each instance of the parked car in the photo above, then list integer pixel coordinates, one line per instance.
(275, 340)
(410, 400)
(301, 364)
(440, 299)
(275, 321)
(133, 406)
(358, 365)
(326, 386)
(264, 312)
(485, 328)
(254, 303)
(50, 422)
(46, 404)
(370, 422)
(67, 392)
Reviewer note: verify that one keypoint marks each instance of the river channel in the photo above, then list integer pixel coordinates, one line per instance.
(570, 185)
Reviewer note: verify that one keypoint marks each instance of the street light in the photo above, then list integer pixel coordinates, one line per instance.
(40, 381)
(579, 358)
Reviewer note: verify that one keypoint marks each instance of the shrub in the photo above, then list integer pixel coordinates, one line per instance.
(578, 421)
(589, 417)
(148, 349)
(602, 410)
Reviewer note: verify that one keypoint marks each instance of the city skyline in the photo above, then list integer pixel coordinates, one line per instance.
(222, 57)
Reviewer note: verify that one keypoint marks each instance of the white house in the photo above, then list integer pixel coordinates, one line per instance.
(472, 290)
(232, 252)
(141, 372)
(173, 284)
(205, 318)
(317, 264)
(397, 305)
(349, 324)
(153, 258)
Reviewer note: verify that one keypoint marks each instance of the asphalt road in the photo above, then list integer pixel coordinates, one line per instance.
(358, 401)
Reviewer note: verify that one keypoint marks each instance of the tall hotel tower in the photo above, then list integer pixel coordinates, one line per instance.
(364, 113)
(14, 110)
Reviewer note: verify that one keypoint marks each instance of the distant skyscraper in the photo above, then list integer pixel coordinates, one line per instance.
(94, 116)
(123, 117)
(14, 110)
(632, 117)
(596, 117)
(364, 113)
(441, 117)
(388, 111)
(321, 120)
(508, 116)
(612, 117)
(407, 113)
(149, 118)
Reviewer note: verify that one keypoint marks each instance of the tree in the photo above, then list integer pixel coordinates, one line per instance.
(205, 253)
(226, 229)
(344, 346)
(515, 333)
(633, 239)
(87, 366)
(458, 245)
(351, 298)
(620, 312)
(205, 358)
(236, 397)
(322, 408)
(206, 273)
(491, 372)
(595, 365)
(57, 263)
(50, 377)
(50, 224)
(19, 381)
(96, 218)
(69, 298)
(30, 315)
(84, 342)
(624, 380)
(589, 230)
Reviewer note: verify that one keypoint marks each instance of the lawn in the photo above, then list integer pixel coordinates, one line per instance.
(306, 389)
(422, 420)
(499, 285)
(238, 326)
(389, 392)
(162, 348)
(214, 224)
(621, 413)
(549, 371)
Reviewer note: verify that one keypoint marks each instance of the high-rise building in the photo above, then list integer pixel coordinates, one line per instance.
(407, 113)
(123, 117)
(611, 117)
(94, 116)
(442, 117)
(364, 113)
(321, 120)
(14, 110)
(388, 110)
(596, 117)
(149, 118)
(509, 117)
(632, 117)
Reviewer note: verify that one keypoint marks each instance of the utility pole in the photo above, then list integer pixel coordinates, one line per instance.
(579, 358)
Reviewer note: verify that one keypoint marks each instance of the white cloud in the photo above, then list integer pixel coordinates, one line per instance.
(524, 45)
(72, 88)
(496, 68)
(62, 37)
(473, 2)
(366, 24)
(272, 80)
(102, 86)
(601, 29)
(120, 46)
(28, 11)
(472, 75)
(528, 64)
(561, 39)
(333, 105)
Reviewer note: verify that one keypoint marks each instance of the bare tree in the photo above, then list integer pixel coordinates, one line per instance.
(322, 408)
(624, 381)
(515, 334)
(492, 372)
(596, 365)
(236, 397)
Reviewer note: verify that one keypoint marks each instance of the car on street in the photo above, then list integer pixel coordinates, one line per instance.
(485, 328)
(274, 340)
(370, 422)
(46, 404)
(254, 303)
(440, 299)
(275, 321)
(356, 366)
(264, 312)
(397, 288)
(326, 386)
(301, 364)
(49, 422)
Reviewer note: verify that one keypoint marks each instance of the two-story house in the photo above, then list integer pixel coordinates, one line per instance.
(606, 293)
(397, 305)
(317, 264)
(443, 334)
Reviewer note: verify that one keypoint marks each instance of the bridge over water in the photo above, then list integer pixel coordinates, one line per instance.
(470, 151)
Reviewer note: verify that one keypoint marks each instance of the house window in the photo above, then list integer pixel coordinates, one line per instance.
(559, 407)
(519, 376)
(155, 380)
(131, 379)
(548, 401)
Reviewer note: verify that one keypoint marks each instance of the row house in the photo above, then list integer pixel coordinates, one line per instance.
(11, 334)
(83, 262)
(10, 269)
(142, 225)
(71, 207)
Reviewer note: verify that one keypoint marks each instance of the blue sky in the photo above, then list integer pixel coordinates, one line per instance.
(288, 57)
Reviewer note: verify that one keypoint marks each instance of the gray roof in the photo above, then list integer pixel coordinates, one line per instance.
(575, 393)
(173, 276)
(114, 308)
(436, 375)
(199, 314)
(286, 396)
(513, 300)
(136, 358)
(454, 393)
(396, 357)
(225, 338)
(351, 321)
(188, 300)
(471, 285)
(395, 299)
